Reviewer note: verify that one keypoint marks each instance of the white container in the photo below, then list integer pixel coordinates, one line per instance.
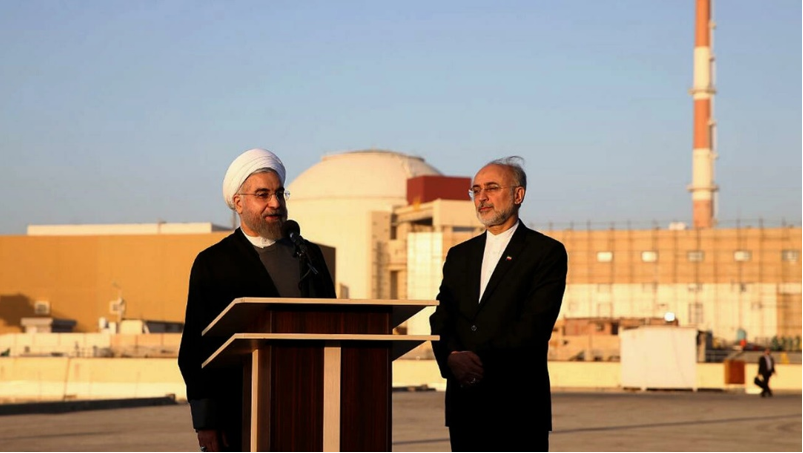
(659, 357)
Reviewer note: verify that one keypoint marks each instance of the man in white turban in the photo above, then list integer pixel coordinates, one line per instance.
(246, 164)
(254, 261)
(255, 176)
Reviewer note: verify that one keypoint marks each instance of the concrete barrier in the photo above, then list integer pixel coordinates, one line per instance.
(62, 378)
(24, 379)
(605, 376)
(585, 375)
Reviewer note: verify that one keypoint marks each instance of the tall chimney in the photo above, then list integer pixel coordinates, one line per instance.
(703, 189)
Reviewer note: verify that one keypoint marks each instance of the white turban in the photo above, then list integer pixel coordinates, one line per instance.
(245, 165)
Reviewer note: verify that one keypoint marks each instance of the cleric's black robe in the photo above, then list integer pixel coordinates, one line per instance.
(221, 273)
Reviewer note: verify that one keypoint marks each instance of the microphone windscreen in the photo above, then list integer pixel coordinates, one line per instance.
(291, 227)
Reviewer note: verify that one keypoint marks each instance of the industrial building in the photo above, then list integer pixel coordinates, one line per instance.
(387, 229)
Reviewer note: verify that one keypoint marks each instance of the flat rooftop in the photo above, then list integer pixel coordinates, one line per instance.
(125, 229)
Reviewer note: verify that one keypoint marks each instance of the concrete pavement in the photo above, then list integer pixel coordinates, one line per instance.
(610, 421)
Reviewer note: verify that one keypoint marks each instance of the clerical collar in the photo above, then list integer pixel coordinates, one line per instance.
(259, 241)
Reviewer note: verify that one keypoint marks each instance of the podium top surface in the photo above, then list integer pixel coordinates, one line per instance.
(234, 316)
(245, 343)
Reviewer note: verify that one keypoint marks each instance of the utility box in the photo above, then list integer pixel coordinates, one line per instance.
(659, 357)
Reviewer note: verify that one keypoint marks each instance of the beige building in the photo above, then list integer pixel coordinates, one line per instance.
(391, 219)
(83, 276)
(733, 282)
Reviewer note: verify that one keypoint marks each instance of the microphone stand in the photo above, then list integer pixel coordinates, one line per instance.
(301, 253)
(290, 229)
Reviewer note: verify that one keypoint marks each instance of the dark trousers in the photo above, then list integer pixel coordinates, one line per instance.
(765, 387)
(497, 438)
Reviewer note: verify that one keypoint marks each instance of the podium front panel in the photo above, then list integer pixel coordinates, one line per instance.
(366, 396)
(297, 393)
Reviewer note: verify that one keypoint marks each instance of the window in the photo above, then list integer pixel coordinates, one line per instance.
(604, 311)
(604, 288)
(649, 256)
(695, 313)
(394, 284)
(742, 255)
(41, 307)
(695, 287)
(604, 257)
(695, 256)
(789, 256)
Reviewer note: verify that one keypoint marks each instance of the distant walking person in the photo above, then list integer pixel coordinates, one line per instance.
(498, 302)
(254, 261)
(766, 368)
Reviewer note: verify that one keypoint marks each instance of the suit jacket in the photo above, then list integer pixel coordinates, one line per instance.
(762, 366)
(509, 328)
(221, 273)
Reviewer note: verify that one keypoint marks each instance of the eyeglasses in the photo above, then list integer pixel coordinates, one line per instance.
(266, 195)
(491, 190)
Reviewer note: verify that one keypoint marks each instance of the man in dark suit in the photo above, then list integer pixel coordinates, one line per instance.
(498, 302)
(254, 261)
(766, 368)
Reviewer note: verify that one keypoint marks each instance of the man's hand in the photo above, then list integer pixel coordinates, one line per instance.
(466, 367)
(211, 439)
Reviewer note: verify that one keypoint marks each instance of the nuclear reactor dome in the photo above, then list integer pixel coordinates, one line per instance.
(345, 201)
(359, 174)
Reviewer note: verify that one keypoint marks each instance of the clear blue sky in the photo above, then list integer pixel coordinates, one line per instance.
(130, 111)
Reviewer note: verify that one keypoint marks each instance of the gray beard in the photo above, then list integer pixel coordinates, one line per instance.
(497, 218)
(263, 229)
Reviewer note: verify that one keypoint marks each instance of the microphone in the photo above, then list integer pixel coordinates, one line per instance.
(291, 230)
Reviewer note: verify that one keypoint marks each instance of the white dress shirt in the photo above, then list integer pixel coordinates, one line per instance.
(495, 245)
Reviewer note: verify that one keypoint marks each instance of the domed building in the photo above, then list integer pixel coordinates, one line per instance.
(378, 177)
(352, 201)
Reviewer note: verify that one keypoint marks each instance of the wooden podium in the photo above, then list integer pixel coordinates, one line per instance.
(317, 373)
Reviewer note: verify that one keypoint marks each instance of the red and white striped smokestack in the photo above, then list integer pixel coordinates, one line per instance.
(703, 189)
